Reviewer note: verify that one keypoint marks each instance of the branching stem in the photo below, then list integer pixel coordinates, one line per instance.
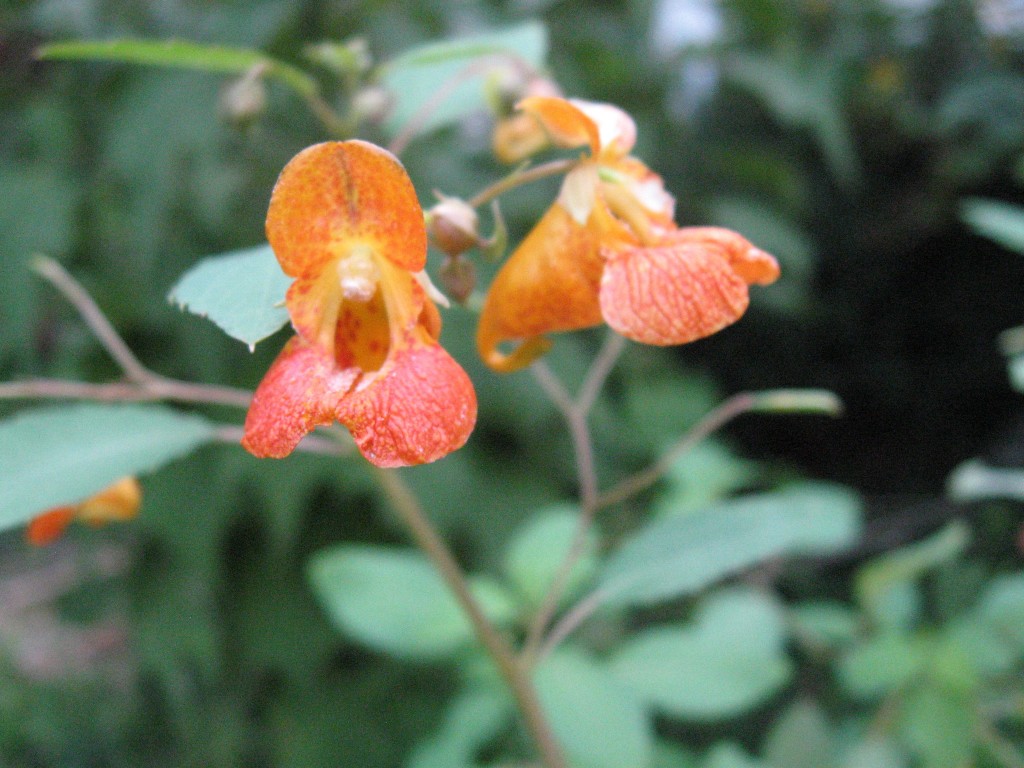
(514, 673)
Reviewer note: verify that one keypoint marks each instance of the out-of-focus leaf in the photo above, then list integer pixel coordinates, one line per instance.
(594, 717)
(702, 476)
(1001, 609)
(393, 600)
(800, 738)
(181, 54)
(939, 725)
(881, 664)
(63, 454)
(805, 95)
(441, 75)
(473, 718)
(37, 215)
(874, 752)
(683, 554)
(241, 291)
(996, 220)
(730, 659)
(728, 754)
(885, 573)
(973, 480)
(536, 554)
(825, 623)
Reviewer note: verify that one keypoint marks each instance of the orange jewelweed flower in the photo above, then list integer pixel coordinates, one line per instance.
(609, 250)
(344, 221)
(119, 501)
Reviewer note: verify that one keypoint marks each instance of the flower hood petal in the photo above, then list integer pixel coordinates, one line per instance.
(337, 194)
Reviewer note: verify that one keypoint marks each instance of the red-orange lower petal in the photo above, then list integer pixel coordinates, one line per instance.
(754, 266)
(300, 392)
(421, 407)
(671, 293)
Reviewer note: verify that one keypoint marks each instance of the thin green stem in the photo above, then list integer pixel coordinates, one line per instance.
(713, 421)
(575, 412)
(515, 674)
(93, 316)
(518, 178)
(154, 388)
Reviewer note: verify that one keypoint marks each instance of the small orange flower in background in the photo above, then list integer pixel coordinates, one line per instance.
(609, 250)
(116, 502)
(344, 221)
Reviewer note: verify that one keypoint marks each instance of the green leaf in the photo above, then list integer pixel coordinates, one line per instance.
(1001, 609)
(876, 580)
(727, 754)
(803, 94)
(874, 752)
(683, 554)
(393, 600)
(800, 738)
(473, 718)
(421, 75)
(730, 659)
(703, 476)
(881, 664)
(939, 725)
(241, 291)
(973, 480)
(181, 54)
(825, 623)
(536, 553)
(996, 220)
(63, 454)
(594, 717)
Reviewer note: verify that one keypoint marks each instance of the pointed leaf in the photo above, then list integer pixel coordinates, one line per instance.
(63, 454)
(181, 54)
(241, 291)
(393, 600)
(996, 220)
(683, 554)
(420, 75)
(596, 719)
(730, 659)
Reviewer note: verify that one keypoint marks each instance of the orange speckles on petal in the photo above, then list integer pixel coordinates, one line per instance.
(335, 194)
(422, 407)
(299, 392)
(670, 294)
(752, 264)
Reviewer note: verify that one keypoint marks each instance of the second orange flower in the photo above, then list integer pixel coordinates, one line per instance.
(609, 250)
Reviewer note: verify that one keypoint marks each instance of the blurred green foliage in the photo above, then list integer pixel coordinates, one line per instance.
(842, 136)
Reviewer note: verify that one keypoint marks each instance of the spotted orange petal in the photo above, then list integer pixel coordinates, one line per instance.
(671, 293)
(548, 284)
(335, 195)
(751, 263)
(420, 407)
(300, 392)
